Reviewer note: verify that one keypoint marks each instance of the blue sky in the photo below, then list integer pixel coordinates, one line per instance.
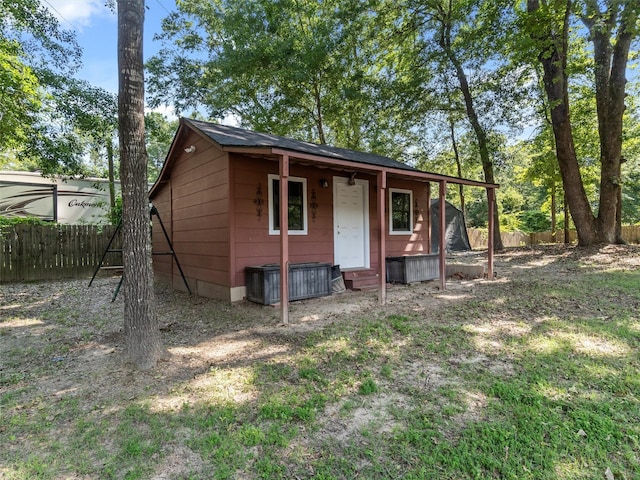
(97, 32)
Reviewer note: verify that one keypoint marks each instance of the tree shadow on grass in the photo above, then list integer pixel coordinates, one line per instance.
(242, 394)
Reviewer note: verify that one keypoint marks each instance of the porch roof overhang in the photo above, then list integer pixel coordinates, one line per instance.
(349, 165)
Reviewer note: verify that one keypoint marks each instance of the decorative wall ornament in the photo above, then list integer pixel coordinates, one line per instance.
(314, 204)
(259, 201)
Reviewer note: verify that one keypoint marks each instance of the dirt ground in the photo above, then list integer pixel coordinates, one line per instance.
(199, 333)
(78, 330)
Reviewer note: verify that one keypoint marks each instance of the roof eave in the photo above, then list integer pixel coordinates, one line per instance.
(408, 173)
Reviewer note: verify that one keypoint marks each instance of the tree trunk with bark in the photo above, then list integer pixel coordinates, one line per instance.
(567, 219)
(610, 63)
(478, 129)
(456, 155)
(554, 206)
(553, 58)
(143, 345)
(481, 138)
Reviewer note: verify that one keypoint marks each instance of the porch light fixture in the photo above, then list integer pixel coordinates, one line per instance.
(352, 179)
(324, 183)
(190, 149)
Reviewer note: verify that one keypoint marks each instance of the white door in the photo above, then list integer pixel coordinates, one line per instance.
(351, 223)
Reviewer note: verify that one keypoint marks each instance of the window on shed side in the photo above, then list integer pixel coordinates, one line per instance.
(297, 205)
(400, 211)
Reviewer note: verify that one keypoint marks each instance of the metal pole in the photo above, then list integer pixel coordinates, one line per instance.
(154, 211)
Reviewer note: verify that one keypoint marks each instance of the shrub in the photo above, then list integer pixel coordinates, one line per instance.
(8, 221)
(115, 213)
(534, 221)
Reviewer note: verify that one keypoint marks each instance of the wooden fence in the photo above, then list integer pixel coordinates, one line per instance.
(50, 252)
(478, 237)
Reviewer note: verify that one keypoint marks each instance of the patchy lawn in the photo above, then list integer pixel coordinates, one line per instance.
(533, 375)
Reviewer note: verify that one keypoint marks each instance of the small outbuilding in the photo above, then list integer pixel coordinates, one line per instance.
(223, 193)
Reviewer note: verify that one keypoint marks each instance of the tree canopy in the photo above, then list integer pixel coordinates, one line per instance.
(538, 96)
(312, 70)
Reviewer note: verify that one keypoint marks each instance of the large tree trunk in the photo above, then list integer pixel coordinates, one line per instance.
(143, 346)
(483, 147)
(478, 129)
(567, 219)
(610, 62)
(553, 58)
(318, 107)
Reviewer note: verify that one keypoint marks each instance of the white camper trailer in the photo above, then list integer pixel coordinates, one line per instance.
(62, 200)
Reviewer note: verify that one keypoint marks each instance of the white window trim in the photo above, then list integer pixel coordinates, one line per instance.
(400, 232)
(272, 231)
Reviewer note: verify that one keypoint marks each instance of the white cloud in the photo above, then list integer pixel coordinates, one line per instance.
(77, 14)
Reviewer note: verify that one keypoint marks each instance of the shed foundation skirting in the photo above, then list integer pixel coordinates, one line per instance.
(413, 268)
(238, 293)
(306, 280)
(212, 290)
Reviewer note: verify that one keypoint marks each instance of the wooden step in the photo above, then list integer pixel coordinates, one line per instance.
(362, 282)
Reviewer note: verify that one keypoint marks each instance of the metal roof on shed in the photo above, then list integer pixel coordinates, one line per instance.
(227, 136)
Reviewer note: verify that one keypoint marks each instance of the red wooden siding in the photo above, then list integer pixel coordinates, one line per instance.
(415, 243)
(162, 264)
(253, 244)
(199, 219)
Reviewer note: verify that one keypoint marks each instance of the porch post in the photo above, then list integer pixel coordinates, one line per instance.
(428, 218)
(382, 250)
(284, 239)
(491, 196)
(443, 237)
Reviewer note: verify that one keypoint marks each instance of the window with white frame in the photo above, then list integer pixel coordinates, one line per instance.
(297, 205)
(400, 211)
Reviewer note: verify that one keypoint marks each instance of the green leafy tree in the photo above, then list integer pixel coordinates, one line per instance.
(92, 115)
(19, 96)
(81, 123)
(45, 45)
(159, 135)
(630, 194)
(462, 40)
(36, 53)
(306, 69)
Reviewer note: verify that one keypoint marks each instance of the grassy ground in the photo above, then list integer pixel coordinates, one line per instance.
(535, 375)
